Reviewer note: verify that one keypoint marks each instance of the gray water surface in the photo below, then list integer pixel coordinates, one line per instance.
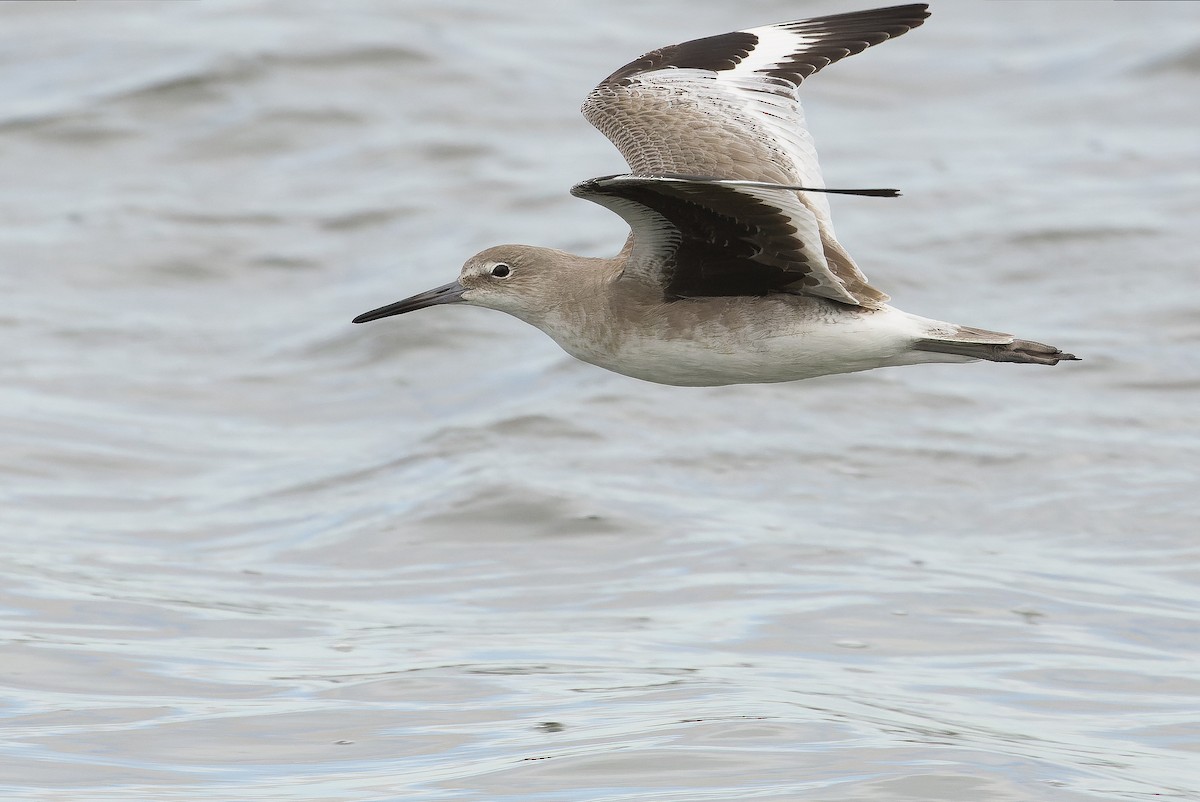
(253, 552)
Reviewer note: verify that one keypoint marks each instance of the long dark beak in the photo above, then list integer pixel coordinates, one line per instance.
(446, 294)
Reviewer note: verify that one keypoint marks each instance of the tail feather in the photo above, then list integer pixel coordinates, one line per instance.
(994, 347)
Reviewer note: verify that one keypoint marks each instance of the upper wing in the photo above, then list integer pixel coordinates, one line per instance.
(705, 237)
(726, 106)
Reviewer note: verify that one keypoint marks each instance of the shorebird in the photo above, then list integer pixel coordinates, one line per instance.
(731, 272)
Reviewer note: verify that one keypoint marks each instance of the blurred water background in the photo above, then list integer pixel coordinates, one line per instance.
(253, 552)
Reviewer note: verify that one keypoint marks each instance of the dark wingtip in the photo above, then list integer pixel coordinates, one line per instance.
(870, 193)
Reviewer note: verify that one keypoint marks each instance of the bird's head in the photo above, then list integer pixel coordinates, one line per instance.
(517, 279)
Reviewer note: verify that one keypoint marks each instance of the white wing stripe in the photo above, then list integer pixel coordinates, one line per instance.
(775, 46)
(726, 106)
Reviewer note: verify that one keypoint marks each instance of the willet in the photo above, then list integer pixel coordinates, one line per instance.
(731, 272)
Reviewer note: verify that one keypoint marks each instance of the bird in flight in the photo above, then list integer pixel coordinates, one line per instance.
(731, 272)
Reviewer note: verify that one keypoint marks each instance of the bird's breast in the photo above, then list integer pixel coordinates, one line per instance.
(738, 340)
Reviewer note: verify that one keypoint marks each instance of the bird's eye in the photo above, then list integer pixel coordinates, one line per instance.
(501, 270)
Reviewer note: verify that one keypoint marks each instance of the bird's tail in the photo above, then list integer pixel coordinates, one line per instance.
(991, 345)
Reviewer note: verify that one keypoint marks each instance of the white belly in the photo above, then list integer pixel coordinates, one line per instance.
(753, 340)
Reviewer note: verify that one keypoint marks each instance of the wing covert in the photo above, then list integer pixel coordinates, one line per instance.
(703, 238)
